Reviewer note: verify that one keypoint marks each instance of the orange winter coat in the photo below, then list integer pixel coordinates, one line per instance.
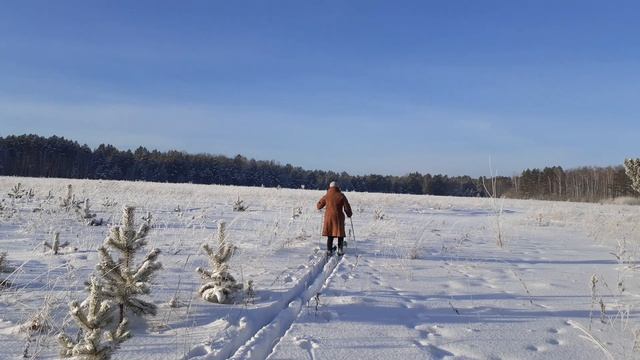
(336, 202)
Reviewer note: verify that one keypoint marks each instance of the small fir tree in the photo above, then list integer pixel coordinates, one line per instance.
(85, 211)
(30, 194)
(109, 202)
(17, 192)
(87, 216)
(632, 168)
(55, 245)
(239, 205)
(67, 202)
(93, 317)
(250, 294)
(5, 268)
(4, 264)
(378, 214)
(297, 212)
(219, 285)
(124, 282)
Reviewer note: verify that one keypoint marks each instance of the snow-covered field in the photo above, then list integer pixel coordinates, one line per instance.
(427, 281)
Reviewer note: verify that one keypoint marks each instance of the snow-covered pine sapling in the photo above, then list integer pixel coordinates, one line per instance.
(632, 168)
(85, 211)
(378, 214)
(30, 194)
(67, 201)
(87, 216)
(123, 281)
(17, 192)
(5, 268)
(55, 245)
(95, 222)
(219, 284)
(249, 294)
(109, 202)
(93, 316)
(239, 205)
(297, 211)
(4, 264)
(7, 210)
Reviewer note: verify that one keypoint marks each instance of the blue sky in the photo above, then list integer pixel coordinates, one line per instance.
(359, 86)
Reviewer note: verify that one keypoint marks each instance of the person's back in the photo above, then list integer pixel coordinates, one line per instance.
(337, 205)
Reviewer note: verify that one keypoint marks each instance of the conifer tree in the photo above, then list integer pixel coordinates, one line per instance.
(4, 268)
(93, 317)
(239, 205)
(87, 216)
(124, 281)
(55, 245)
(68, 201)
(85, 211)
(17, 192)
(632, 168)
(219, 283)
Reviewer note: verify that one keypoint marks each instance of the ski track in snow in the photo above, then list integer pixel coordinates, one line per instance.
(263, 343)
(255, 340)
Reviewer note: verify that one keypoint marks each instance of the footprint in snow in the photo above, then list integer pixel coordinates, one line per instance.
(309, 344)
(306, 342)
(532, 348)
(434, 351)
(552, 341)
(428, 331)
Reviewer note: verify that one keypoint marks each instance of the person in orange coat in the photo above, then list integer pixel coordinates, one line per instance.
(337, 206)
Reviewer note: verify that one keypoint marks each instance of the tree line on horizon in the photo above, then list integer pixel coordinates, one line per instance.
(37, 156)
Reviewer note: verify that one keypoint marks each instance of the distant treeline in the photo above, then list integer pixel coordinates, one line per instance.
(37, 156)
(582, 184)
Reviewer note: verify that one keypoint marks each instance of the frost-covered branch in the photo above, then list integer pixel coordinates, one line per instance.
(93, 317)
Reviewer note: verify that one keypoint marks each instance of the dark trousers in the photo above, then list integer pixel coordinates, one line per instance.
(330, 242)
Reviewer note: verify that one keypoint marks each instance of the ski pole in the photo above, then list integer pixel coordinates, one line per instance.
(353, 232)
(321, 227)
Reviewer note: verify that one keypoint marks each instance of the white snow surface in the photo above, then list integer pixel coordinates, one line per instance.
(428, 281)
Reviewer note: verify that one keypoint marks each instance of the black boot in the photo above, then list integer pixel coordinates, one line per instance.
(340, 246)
(330, 247)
